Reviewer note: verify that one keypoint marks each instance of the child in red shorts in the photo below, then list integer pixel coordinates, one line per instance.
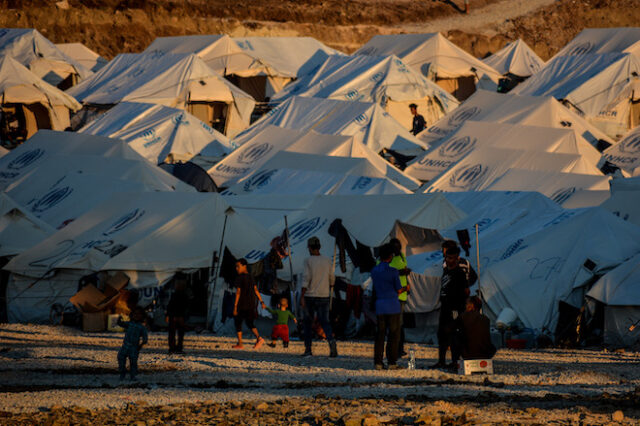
(281, 329)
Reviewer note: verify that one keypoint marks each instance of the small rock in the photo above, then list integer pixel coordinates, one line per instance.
(262, 407)
(617, 416)
(63, 5)
(353, 421)
(370, 420)
(236, 404)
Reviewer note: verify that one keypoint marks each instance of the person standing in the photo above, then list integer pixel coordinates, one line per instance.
(419, 122)
(399, 262)
(246, 303)
(386, 288)
(135, 337)
(176, 314)
(473, 337)
(453, 296)
(317, 285)
(463, 263)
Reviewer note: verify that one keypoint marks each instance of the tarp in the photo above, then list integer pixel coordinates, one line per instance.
(625, 204)
(384, 80)
(33, 50)
(602, 86)
(295, 173)
(367, 122)
(625, 154)
(172, 80)
(157, 132)
(603, 40)
(471, 135)
(19, 228)
(515, 58)
(480, 169)
(83, 55)
(509, 108)
(431, 54)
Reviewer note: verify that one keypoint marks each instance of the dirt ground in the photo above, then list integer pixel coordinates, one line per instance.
(55, 374)
(115, 26)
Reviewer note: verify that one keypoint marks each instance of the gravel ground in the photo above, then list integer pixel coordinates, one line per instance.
(47, 370)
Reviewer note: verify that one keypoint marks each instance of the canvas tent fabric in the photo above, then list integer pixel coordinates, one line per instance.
(258, 149)
(83, 55)
(544, 111)
(446, 152)
(515, 58)
(625, 154)
(384, 80)
(157, 132)
(367, 122)
(36, 52)
(295, 173)
(177, 81)
(19, 228)
(618, 289)
(43, 105)
(435, 57)
(604, 87)
(480, 169)
(603, 40)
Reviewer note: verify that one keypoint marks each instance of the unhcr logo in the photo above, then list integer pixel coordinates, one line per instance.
(51, 199)
(136, 72)
(631, 145)
(25, 159)
(361, 119)
(253, 153)
(148, 135)
(260, 180)
(562, 195)
(180, 119)
(363, 182)
(581, 49)
(303, 229)
(457, 147)
(124, 221)
(462, 115)
(376, 77)
(513, 249)
(468, 176)
(352, 94)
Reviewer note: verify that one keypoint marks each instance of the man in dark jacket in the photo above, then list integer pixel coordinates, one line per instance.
(419, 122)
(453, 297)
(176, 314)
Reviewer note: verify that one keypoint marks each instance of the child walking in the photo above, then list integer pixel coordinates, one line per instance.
(134, 332)
(281, 328)
(244, 309)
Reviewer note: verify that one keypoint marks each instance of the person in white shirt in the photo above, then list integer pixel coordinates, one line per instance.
(317, 285)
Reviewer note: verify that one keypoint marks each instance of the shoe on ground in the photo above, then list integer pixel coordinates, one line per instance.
(237, 346)
(378, 367)
(307, 353)
(285, 344)
(396, 367)
(259, 343)
(271, 345)
(333, 349)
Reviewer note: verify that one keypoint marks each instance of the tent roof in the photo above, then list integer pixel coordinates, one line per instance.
(619, 287)
(515, 58)
(83, 55)
(19, 85)
(155, 131)
(603, 40)
(19, 228)
(367, 122)
(626, 153)
(431, 54)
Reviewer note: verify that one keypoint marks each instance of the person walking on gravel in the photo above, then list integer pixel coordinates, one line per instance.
(246, 303)
(317, 285)
(135, 337)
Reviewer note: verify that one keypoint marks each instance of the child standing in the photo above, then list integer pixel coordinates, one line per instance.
(281, 328)
(134, 332)
(244, 309)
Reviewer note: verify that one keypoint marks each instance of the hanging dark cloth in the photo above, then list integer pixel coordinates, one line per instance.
(228, 267)
(344, 243)
(366, 261)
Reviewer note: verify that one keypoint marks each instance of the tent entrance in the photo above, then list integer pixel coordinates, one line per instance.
(36, 117)
(13, 128)
(215, 114)
(256, 86)
(461, 87)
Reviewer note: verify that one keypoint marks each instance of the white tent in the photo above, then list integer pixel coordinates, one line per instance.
(149, 236)
(34, 103)
(384, 80)
(19, 229)
(603, 40)
(625, 154)
(436, 58)
(509, 108)
(618, 289)
(604, 87)
(83, 55)
(446, 152)
(480, 169)
(178, 81)
(295, 173)
(48, 62)
(515, 58)
(367, 122)
(157, 132)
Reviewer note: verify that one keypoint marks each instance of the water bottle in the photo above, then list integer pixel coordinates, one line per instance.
(412, 359)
